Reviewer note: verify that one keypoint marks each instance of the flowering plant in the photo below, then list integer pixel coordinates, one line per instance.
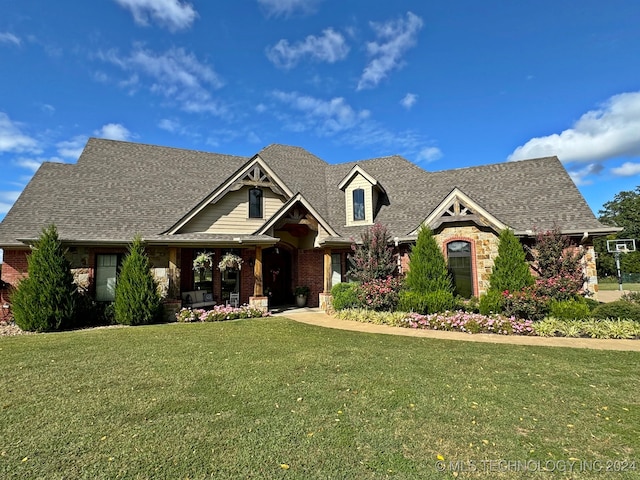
(470, 323)
(218, 313)
(380, 294)
(202, 261)
(230, 261)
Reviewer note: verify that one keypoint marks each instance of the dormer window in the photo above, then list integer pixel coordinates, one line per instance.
(255, 203)
(358, 204)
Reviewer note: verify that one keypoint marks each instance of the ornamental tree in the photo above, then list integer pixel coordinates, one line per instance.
(137, 301)
(373, 258)
(47, 299)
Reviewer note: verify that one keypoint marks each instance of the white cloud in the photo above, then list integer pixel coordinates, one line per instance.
(6, 37)
(429, 154)
(34, 163)
(330, 47)
(409, 100)
(326, 116)
(12, 139)
(169, 125)
(627, 169)
(174, 74)
(113, 131)
(72, 148)
(173, 14)
(395, 37)
(608, 132)
(286, 8)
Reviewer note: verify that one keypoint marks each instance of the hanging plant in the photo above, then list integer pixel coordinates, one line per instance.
(203, 261)
(230, 261)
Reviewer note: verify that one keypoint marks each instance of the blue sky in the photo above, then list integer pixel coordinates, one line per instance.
(445, 84)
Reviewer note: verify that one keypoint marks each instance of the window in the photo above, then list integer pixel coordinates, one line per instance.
(358, 204)
(255, 203)
(106, 272)
(336, 268)
(459, 259)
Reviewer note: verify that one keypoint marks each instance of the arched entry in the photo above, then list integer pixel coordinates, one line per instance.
(276, 275)
(460, 266)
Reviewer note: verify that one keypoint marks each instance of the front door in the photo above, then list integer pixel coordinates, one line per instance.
(276, 275)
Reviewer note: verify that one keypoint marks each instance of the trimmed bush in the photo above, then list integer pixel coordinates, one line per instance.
(511, 270)
(137, 301)
(619, 309)
(345, 295)
(569, 309)
(526, 304)
(373, 258)
(47, 299)
(379, 294)
(491, 302)
(425, 303)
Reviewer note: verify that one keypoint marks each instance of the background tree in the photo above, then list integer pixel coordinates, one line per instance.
(511, 270)
(47, 299)
(137, 301)
(428, 270)
(373, 258)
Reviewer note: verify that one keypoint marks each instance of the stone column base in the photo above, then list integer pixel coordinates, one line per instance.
(170, 308)
(261, 303)
(325, 301)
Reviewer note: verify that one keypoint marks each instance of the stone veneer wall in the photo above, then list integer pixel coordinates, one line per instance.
(589, 261)
(485, 243)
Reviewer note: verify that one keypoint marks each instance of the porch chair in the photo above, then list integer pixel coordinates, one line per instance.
(234, 299)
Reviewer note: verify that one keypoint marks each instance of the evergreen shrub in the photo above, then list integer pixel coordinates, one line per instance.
(511, 270)
(345, 295)
(46, 300)
(137, 301)
(436, 301)
(574, 309)
(491, 302)
(621, 309)
(428, 270)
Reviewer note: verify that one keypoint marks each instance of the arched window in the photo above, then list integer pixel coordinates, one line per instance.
(255, 203)
(358, 204)
(459, 259)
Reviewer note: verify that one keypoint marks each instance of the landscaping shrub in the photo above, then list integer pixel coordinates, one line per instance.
(373, 258)
(511, 270)
(47, 299)
(569, 309)
(491, 302)
(618, 309)
(430, 302)
(591, 303)
(394, 319)
(345, 295)
(526, 304)
(427, 267)
(633, 297)
(136, 300)
(379, 294)
(554, 327)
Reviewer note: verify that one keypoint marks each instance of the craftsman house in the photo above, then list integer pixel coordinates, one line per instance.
(289, 216)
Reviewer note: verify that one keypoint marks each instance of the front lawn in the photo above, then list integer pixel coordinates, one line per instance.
(272, 398)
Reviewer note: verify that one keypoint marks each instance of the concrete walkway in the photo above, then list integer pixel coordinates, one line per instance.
(315, 316)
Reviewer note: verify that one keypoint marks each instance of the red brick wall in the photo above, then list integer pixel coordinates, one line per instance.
(311, 272)
(15, 265)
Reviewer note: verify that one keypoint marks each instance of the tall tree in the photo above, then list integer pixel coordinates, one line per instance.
(47, 298)
(428, 270)
(623, 211)
(137, 301)
(510, 271)
(373, 258)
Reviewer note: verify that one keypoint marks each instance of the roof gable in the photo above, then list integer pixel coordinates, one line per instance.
(459, 207)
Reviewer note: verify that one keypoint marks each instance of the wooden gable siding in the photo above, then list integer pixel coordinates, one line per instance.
(357, 182)
(230, 214)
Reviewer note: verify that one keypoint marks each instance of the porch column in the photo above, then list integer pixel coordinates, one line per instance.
(174, 273)
(327, 270)
(325, 296)
(257, 273)
(258, 300)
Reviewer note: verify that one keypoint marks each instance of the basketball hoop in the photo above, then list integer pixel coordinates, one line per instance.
(620, 246)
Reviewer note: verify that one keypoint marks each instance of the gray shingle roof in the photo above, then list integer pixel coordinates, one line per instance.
(118, 189)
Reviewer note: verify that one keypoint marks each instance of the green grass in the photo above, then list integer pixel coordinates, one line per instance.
(634, 287)
(239, 399)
